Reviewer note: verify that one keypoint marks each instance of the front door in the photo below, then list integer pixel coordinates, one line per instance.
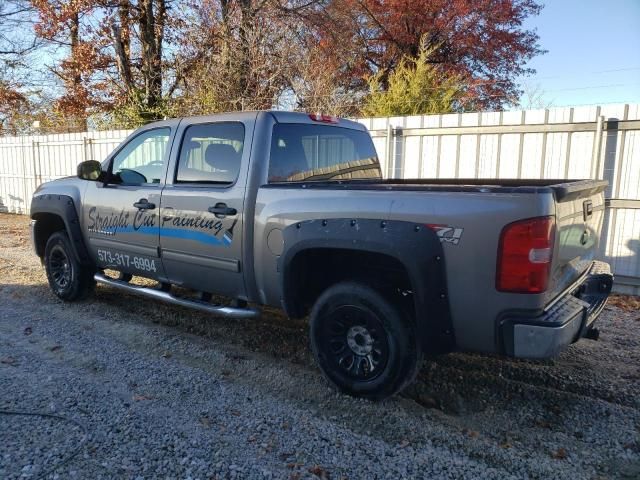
(202, 208)
(121, 217)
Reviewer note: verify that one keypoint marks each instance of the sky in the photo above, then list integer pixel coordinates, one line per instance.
(593, 52)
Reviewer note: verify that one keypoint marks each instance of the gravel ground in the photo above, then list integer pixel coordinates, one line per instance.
(144, 390)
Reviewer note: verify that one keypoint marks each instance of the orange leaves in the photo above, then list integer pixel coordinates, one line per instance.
(481, 41)
(56, 16)
(10, 99)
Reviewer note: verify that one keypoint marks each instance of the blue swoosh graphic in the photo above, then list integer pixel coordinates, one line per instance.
(176, 233)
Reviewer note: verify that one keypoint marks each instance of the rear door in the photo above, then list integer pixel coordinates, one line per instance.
(579, 218)
(202, 206)
(121, 218)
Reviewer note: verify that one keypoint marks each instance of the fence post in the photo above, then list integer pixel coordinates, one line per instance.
(543, 149)
(499, 146)
(597, 147)
(389, 149)
(567, 155)
(87, 148)
(478, 143)
(35, 154)
(458, 141)
(523, 120)
(24, 170)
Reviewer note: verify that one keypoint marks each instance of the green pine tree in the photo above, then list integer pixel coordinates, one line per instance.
(414, 87)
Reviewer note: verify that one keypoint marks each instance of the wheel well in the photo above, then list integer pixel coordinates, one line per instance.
(312, 271)
(46, 225)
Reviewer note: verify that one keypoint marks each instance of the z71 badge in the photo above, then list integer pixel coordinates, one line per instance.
(447, 234)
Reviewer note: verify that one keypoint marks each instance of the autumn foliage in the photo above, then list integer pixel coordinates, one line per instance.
(130, 61)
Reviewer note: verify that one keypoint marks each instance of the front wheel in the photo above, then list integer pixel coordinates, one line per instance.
(68, 279)
(363, 342)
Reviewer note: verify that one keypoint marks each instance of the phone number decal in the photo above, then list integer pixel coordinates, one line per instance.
(117, 259)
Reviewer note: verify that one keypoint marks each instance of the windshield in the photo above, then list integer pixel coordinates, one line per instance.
(305, 152)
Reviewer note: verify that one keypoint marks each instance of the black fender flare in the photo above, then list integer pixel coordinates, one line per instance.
(64, 207)
(416, 246)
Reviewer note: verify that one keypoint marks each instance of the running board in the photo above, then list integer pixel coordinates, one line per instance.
(223, 311)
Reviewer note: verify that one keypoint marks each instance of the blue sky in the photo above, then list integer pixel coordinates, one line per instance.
(593, 52)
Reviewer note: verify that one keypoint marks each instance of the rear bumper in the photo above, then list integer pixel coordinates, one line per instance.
(568, 319)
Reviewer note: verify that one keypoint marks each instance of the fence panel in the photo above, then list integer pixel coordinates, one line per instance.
(26, 162)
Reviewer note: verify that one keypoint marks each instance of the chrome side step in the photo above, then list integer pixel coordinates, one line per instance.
(223, 311)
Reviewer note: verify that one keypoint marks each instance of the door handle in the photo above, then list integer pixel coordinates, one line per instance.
(221, 210)
(144, 204)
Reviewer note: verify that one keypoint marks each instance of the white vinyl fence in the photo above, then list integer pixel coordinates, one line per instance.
(568, 142)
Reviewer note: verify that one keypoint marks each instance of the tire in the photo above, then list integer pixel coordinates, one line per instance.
(68, 279)
(364, 343)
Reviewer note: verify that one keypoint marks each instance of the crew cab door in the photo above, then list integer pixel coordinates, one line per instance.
(202, 206)
(121, 218)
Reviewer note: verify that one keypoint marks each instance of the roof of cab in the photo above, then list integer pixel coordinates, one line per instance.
(300, 117)
(279, 116)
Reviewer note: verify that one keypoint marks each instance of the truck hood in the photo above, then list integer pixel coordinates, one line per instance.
(70, 186)
(53, 186)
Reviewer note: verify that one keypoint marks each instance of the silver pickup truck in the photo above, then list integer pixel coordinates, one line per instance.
(290, 210)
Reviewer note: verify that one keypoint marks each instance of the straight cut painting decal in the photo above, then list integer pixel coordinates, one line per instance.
(197, 228)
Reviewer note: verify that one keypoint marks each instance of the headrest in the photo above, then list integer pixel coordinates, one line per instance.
(223, 158)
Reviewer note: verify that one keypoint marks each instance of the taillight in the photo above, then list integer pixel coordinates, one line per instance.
(524, 255)
(321, 117)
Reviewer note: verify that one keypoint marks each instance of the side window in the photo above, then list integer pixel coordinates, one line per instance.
(142, 160)
(211, 153)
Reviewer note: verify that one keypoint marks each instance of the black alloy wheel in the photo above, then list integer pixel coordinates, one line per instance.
(68, 278)
(356, 342)
(364, 341)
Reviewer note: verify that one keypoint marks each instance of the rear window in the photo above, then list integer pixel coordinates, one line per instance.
(302, 152)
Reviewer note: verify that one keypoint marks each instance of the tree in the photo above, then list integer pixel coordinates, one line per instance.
(13, 104)
(16, 43)
(483, 42)
(141, 72)
(240, 55)
(59, 23)
(117, 59)
(132, 61)
(533, 96)
(414, 87)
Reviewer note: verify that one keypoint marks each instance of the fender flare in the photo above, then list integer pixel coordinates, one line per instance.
(416, 246)
(64, 207)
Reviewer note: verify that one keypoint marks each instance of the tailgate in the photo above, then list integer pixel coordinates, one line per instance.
(579, 217)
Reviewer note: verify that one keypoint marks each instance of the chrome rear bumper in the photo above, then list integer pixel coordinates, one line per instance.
(569, 319)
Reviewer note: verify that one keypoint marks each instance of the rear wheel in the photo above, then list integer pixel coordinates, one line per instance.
(67, 278)
(363, 342)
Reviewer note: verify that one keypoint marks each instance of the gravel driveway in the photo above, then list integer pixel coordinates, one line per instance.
(129, 388)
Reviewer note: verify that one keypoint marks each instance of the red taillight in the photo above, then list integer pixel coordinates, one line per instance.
(524, 255)
(320, 117)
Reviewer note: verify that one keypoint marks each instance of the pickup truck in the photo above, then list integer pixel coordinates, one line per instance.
(290, 210)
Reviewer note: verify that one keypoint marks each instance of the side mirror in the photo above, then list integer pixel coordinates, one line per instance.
(90, 170)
